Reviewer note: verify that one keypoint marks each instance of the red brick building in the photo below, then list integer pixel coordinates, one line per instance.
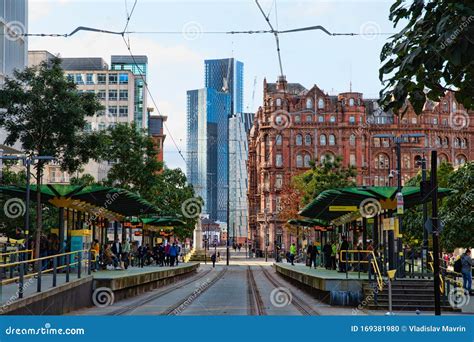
(295, 126)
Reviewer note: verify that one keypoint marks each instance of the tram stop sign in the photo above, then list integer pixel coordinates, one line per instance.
(400, 204)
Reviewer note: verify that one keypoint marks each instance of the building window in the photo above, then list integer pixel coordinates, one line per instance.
(307, 160)
(267, 202)
(278, 140)
(299, 160)
(435, 121)
(332, 139)
(113, 95)
(413, 121)
(101, 126)
(406, 161)
(460, 160)
(351, 102)
(279, 181)
(457, 142)
(79, 79)
(352, 140)
(381, 161)
(123, 95)
(88, 127)
(70, 77)
(320, 118)
(352, 120)
(446, 142)
(445, 106)
(442, 159)
(309, 118)
(455, 107)
(113, 78)
(278, 160)
(267, 140)
(101, 94)
(297, 118)
(278, 206)
(113, 111)
(327, 157)
(123, 111)
(307, 140)
(438, 141)
(100, 113)
(322, 140)
(463, 143)
(332, 118)
(278, 102)
(123, 78)
(309, 103)
(299, 140)
(89, 78)
(101, 78)
(321, 103)
(352, 159)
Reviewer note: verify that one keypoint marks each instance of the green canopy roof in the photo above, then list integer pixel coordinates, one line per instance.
(115, 200)
(308, 222)
(348, 198)
(159, 221)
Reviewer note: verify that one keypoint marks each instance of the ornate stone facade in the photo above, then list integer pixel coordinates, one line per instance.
(295, 126)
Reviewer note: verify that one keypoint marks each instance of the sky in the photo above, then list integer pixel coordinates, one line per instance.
(176, 60)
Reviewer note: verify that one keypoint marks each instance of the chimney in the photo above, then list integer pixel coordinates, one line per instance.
(281, 83)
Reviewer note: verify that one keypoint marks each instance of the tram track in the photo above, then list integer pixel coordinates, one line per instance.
(141, 302)
(256, 307)
(296, 301)
(181, 305)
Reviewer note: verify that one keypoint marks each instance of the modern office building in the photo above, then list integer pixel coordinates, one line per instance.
(14, 46)
(239, 127)
(138, 65)
(208, 113)
(207, 144)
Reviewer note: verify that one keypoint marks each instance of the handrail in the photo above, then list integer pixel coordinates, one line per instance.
(354, 251)
(42, 258)
(378, 274)
(16, 252)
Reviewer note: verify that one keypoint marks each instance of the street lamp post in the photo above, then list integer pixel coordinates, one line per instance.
(424, 250)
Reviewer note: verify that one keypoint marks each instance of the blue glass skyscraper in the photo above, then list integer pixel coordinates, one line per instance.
(208, 113)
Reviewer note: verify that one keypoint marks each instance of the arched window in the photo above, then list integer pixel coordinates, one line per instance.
(442, 158)
(463, 143)
(417, 160)
(299, 140)
(446, 142)
(299, 160)
(309, 118)
(457, 142)
(352, 140)
(460, 160)
(321, 103)
(381, 161)
(332, 140)
(351, 102)
(327, 157)
(307, 159)
(278, 140)
(322, 140)
(455, 107)
(278, 102)
(307, 140)
(309, 103)
(438, 141)
(332, 118)
(297, 118)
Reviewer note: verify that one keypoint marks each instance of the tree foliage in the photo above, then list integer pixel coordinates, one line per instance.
(433, 53)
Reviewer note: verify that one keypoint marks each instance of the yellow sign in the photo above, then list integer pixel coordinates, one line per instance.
(343, 208)
(391, 273)
(80, 232)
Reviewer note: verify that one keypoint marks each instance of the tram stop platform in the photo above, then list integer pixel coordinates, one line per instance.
(78, 292)
(330, 286)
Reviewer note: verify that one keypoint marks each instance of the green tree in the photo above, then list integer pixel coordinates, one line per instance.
(85, 179)
(432, 54)
(46, 114)
(169, 193)
(135, 166)
(330, 174)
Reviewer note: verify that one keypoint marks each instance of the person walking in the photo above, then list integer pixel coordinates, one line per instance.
(292, 253)
(333, 255)
(173, 253)
(213, 259)
(178, 253)
(126, 254)
(117, 249)
(327, 250)
(142, 255)
(167, 254)
(95, 252)
(467, 270)
(313, 255)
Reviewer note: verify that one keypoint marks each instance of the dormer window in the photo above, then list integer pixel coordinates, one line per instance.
(309, 103)
(321, 103)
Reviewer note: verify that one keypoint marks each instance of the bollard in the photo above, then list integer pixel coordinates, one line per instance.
(55, 270)
(20, 282)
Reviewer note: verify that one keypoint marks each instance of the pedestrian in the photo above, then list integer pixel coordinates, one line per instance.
(313, 255)
(327, 250)
(344, 247)
(178, 253)
(333, 255)
(292, 253)
(309, 251)
(173, 253)
(161, 255)
(142, 252)
(126, 254)
(95, 252)
(167, 254)
(111, 257)
(117, 249)
(213, 259)
(467, 270)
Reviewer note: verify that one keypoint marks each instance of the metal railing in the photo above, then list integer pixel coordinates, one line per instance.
(362, 257)
(70, 261)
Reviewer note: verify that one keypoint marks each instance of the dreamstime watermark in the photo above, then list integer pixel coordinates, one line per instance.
(458, 297)
(14, 30)
(459, 120)
(16, 296)
(192, 207)
(110, 198)
(465, 22)
(369, 30)
(103, 296)
(369, 207)
(280, 120)
(201, 288)
(368, 299)
(14, 208)
(47, 329)
(192, 30)
(281, 297)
